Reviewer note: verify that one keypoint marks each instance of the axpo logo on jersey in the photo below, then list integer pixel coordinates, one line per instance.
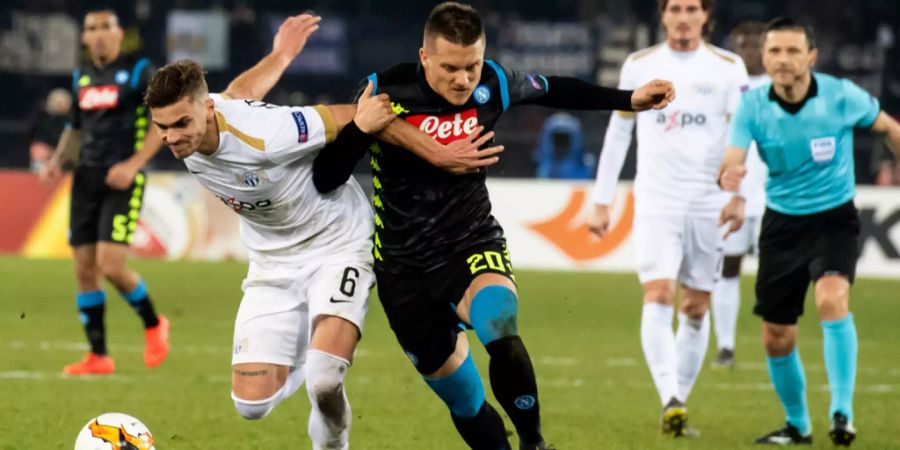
(447, 128)
(679, 119)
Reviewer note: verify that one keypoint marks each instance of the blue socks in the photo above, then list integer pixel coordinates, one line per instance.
(493, 313)
(841, 348)
(139, 300)
(91, 307)
(462, 391)
(787, 376)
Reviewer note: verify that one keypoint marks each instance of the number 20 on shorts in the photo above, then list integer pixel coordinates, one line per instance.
(488, 259)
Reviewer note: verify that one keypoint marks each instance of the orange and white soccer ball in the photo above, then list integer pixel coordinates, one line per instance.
(114, 431)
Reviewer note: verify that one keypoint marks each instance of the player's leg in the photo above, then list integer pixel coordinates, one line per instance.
(781, 286)
(659, 253)
(691, 338)
(833, 270)
(490, 305)
(433, 339)
(118, 220)
(270, 339)
(726, 296)
(339, 295)
(90, 298)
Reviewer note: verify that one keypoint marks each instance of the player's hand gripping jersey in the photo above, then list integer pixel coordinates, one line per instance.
(263, 170)
(679, 147)
(109, 109)
(423, 214)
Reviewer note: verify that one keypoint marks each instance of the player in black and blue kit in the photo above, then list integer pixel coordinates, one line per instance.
(111, 128)
(440, 256)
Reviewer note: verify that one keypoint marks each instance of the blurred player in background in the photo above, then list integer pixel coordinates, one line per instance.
(306, 290)
(726, 297)
(440, 256)
(803, 126)
(677, 201)
(51, 122)
(110, 128)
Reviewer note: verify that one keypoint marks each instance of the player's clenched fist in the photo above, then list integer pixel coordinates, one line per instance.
(373, 113)
(730, 177)
(599, 220)
(656, 94)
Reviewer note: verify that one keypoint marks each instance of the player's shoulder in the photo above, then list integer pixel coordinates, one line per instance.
(643, 53)
(723, 55)
(399, 74)
(831, 83)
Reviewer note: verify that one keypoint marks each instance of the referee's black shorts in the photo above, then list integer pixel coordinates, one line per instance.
(101, 213)
(795, 250)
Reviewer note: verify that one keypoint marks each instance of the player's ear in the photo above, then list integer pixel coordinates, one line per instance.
(423, 56)
(813, 56)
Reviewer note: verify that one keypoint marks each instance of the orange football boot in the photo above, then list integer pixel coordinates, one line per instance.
(92, 364)
(157, 343)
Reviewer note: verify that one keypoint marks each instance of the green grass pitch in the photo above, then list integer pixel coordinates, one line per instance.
(580, 328)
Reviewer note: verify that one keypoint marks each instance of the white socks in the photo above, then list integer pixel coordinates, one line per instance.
(726, 304)
(658, 343)
(329, 417)
(691, 341)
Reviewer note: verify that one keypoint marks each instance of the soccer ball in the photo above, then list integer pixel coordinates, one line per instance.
(114, 431)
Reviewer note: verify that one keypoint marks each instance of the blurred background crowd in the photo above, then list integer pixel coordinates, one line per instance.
(589, 39)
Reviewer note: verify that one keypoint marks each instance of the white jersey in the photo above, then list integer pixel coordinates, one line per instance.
(753, 187)
(263, 170)
(680, 147)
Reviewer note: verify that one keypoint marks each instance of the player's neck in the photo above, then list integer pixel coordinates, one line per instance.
(101, 62)
(210, 143)
(795, 92)
(684, 45)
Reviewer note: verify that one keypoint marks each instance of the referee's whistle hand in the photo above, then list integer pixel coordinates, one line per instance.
(656, 94)
(731, 176)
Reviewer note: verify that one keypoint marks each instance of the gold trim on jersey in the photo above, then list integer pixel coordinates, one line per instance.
(642, 53)
(224, 126)
(328, 121)
(715, 51)
(625, 114)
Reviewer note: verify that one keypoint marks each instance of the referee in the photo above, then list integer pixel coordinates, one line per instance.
(803, 125)
(110, 127)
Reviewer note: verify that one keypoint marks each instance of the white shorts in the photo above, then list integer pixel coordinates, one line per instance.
(284, 294)
(678, 247)
(744, 241)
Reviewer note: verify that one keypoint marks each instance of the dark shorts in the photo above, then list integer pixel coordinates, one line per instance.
(100, 213)
(421, 307)
(797, 250)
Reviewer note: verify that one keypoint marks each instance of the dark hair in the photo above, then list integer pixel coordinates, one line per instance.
(748, 28)
(174, 81)
(455, 22)
(706, 5)
(789, 23)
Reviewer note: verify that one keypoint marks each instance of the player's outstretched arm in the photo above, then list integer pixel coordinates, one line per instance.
(257, 81)
(458, 157)
(732, 169)
(572, 93)
(886, 125)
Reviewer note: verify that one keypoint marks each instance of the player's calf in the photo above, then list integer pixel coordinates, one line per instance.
(329, 420)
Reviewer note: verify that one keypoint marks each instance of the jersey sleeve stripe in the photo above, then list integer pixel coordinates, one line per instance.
(254, 142)
(328, 121)
(373, 77)
(76, 74)
(625, 114)
(136, 72)
(504, 84)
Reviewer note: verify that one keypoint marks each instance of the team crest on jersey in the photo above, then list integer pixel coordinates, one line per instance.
(482, 94)
(251, 179)
(98, 97)
(447, 128)
(302, 128)
(122, 76)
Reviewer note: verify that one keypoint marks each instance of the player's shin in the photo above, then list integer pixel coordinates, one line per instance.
(91, 307)
(789, 380)
(726, 304)
(493, 315)
(691, 341)
(841, 347)
(658, 343)
(329, 417)
(475, 419)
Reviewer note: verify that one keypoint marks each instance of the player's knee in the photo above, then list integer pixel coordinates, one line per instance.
(662, 292)
(255, 409)
(695, 304)
(731, 267)
(462, 390)
(832, 294)
(778, 339)
(325, 383)
(493, 313)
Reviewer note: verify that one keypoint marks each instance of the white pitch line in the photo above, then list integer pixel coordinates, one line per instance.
(176, 348)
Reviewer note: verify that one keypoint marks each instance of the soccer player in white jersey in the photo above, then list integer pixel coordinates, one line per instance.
(677, 201)
(746, 39)
(306, 290)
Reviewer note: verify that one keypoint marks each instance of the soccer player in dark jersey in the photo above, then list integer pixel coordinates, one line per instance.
(110, 125)
(440, 256)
